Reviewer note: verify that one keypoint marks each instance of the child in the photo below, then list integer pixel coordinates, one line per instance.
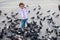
(23, 12)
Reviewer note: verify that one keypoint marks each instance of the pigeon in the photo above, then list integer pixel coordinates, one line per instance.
(51, 31)
(12, 12)
(38, 17)
(50, 19)
(53, 13)
(42, 36)
(28, 24)
(27, 6)
(0, 12)
(47, 30)
(38, 5)
(38, 39)
(32, 17)
(34, 9)
(5, 14)
(48, 11)
(48, 16)
(54, 38)
(40, 14)
(3, 21)
(1, 33)
(10, 21)
(53, 23)
(37, 12)
(39, 29)
(9, 35)
(15, 20)
(57, 15)
(16, 13)
(43, 18)
(34, 23)
(8, 17)
(13, 16)
(56, 26)
(27, 34)
(39, 8)
(41, 23)
(13, 25)
(29, 11)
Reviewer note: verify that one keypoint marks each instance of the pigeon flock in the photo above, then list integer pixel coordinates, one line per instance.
(34, 27)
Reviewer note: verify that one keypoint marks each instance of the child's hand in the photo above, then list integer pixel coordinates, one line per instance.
(23, 17)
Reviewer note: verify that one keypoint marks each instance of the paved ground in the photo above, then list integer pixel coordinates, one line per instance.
(7, 6)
